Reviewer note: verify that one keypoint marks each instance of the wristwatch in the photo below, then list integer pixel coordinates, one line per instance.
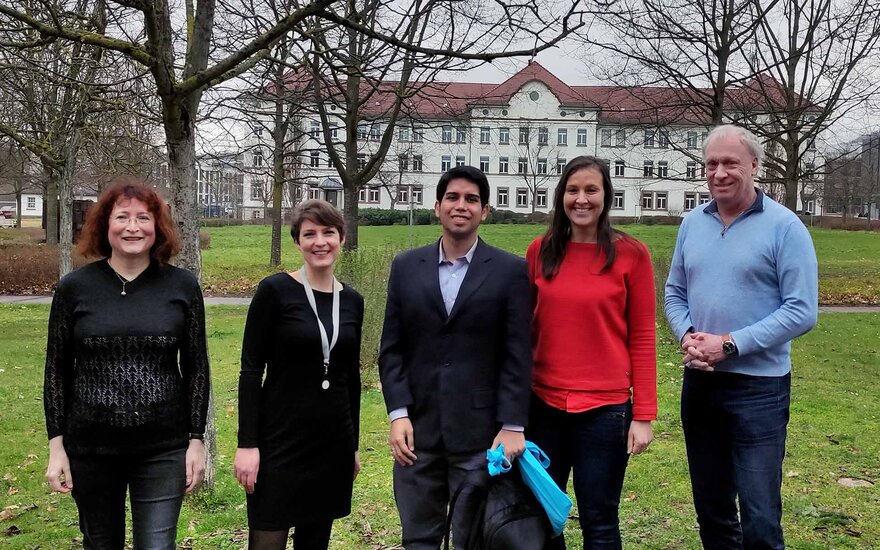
(728, 346)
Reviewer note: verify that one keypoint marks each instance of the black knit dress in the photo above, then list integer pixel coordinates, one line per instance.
(307, 436)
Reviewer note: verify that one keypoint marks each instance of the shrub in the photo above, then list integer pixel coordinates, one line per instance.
(851, 223)
(381, 216)
(30, 268)
(504, 216)
(204, 240)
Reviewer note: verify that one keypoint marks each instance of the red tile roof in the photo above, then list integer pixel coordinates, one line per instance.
(646, 105)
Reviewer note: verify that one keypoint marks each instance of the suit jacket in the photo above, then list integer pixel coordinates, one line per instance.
(462, 375)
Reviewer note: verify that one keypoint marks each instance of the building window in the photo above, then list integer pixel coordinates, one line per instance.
(503, 136)
(560, 164)
(691, 170)
(704, 198)
(485, 134)
(445, 163)
(362, 194)
(543, 136)
(562, 136)
(522, 166)
(256, 190)
(403, 134)
(315, 159)
(502, 198)
(418, 135)
(256, 214)
(417, 195)
(484, 164)
(373, 194)
(660, 200)
(663, 139)
(648, 170)
(690, 201)
(649, 138)
(315, 130)
(375, 132)
(702, 170)
(582, 137)
(461, 134)
(620, 138)
(654, 200)
(362, 131)
(662, 169)
(541, 198)
(542, 166)
(523, 136)
(334, 131)
(459, 160)
(403, 162)
(502, 165)
(362, 161)
(617, 203)
(258, 158)
(692, 140)
(605, 139)
(417, 163)
(403, 194)
(446, 134)
(258, 131)
(619, 168)
(522, 197)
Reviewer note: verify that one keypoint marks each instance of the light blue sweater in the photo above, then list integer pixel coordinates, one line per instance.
(757, 280)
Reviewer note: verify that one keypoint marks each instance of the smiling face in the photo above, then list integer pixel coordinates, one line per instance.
(583, 203)
(131, 229)
(730, 170)
(319, 244)
(459, 210)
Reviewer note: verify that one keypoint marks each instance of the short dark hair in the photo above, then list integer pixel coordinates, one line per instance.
(316, 211)
(93, 241)
(473, 175)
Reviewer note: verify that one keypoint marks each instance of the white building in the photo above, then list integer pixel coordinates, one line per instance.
(520, 133)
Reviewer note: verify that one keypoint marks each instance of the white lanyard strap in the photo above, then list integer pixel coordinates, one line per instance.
(327, 345)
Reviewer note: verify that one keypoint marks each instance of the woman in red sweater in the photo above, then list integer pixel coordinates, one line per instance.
(595, 374)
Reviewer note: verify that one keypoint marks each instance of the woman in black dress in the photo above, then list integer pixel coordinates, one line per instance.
(123, 413)
(298, 429)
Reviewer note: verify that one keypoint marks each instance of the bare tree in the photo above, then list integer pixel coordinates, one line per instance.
(813, 61)
(536, 162)
(14, 173)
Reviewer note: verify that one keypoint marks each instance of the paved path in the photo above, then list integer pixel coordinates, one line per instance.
(243, 301)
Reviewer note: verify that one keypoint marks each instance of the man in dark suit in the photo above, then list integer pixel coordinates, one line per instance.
(455, 360)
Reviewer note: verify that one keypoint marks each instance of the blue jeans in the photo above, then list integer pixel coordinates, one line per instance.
(156, 483)
(593, 445)
(734, 428)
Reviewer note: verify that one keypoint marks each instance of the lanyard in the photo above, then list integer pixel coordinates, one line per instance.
(327, 344)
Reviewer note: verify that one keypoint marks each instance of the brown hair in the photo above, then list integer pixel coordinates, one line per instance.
(93, 241)
(319, 212)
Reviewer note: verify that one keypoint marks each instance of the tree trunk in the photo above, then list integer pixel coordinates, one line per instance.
(180, 140)
(18, 208)
(277, 198)
(65, 204)
(51, 201)
(350, 213)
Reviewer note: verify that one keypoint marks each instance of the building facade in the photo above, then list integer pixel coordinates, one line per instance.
(521, 133)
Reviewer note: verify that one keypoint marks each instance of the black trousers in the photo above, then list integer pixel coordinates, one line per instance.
(156, 484)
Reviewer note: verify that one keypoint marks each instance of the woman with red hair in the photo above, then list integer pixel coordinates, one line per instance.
(122, 413)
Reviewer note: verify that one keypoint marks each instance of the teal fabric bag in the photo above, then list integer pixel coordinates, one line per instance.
(533, 464)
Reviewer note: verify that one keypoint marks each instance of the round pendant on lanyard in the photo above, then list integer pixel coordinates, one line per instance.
(327, 344)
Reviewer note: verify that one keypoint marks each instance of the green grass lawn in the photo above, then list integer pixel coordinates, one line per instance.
(849, 261)
(833, 434)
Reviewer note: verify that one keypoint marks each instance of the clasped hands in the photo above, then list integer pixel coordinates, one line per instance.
(702, 350)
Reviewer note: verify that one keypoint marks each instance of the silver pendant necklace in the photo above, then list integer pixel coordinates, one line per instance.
(122, 279)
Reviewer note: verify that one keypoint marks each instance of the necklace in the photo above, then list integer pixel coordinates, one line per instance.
(122, 279)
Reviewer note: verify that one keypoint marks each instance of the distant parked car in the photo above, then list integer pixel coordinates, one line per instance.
(7, 211)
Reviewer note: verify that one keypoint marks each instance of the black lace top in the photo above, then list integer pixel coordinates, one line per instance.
(113, 380)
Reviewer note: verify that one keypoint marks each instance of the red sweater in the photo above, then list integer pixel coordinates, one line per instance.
(594, 333)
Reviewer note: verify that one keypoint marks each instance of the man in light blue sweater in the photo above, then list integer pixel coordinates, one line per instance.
(743, 283)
